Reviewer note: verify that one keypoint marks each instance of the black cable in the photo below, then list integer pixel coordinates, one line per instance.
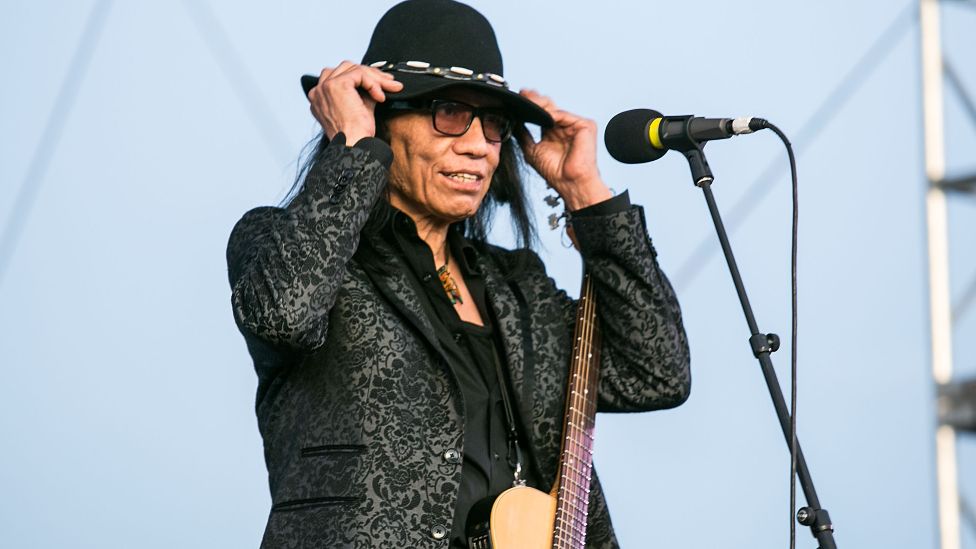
(793, 326)
(807, 135)
(44, 152)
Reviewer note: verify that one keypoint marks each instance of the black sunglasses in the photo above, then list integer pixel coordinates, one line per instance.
(453, 118)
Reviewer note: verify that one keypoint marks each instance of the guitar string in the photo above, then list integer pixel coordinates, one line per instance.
(579, 437)
(564, 525)
(578, 399)
(569, 521)
(589, 408)
(593, 375)
(586, 429)
(581, 386)
(582, 404)
(565, 528)
(582, 395)
(571, 434)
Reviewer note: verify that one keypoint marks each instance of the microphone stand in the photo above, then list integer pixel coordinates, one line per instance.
(762, 346)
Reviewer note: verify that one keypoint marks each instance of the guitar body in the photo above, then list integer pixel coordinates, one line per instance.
(521, 518)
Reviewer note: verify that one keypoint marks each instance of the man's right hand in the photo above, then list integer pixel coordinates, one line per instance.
(345, 98)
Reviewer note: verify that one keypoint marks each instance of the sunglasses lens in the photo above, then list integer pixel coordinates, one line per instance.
(496, 125)
(452, 118)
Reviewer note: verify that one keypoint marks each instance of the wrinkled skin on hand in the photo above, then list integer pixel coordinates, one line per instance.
(565, 155)
(345, 98)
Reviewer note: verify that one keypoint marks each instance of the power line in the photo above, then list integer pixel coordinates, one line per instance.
(968, 296)
(956, 83)
(246, 88)
(44, 152)
(967, 513)
(966, 301)
(805, 137)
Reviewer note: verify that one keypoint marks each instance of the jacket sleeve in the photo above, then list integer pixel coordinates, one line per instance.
(644, 356)
(286, 264)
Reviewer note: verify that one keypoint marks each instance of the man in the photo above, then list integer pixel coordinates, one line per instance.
(407, 368)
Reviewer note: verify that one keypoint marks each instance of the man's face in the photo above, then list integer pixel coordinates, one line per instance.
(437, 178)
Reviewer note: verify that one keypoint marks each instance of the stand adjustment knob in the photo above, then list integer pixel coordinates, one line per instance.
(805, 516)
(764, 343)
(817, 519)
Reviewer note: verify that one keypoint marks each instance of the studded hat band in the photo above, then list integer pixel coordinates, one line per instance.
(452, 73)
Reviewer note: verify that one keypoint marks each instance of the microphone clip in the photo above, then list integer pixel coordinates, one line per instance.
(701, 174)
(683, 142)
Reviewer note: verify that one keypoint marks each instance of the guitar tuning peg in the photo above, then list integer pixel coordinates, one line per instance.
(554, 220)
(552, 200)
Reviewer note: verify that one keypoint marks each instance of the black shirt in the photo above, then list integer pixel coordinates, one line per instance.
(486, 467)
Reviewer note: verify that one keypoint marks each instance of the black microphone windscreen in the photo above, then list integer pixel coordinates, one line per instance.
(627, 139)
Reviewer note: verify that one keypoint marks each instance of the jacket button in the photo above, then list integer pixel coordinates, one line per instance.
(452, 455)
(457, 336)
(438, 532)
(428, 277)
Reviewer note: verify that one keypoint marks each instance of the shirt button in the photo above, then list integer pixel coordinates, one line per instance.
(438, 532)
(427, 277)
(451, 455)
(457, 336)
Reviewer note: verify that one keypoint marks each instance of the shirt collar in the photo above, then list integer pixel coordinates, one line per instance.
(400, 225)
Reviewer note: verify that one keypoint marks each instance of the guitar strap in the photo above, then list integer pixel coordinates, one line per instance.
(514, 450)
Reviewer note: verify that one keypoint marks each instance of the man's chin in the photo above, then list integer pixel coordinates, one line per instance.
(461, 212)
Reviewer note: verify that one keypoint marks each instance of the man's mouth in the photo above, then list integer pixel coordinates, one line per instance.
(462, 177)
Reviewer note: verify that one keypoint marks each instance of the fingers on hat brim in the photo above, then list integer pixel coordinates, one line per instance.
(526, 110)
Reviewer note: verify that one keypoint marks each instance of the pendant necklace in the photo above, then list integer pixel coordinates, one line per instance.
(448, 282)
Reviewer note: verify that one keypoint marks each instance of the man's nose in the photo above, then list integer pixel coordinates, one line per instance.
(473, 141)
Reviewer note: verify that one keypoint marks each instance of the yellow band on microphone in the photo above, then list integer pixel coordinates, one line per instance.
(654, 132)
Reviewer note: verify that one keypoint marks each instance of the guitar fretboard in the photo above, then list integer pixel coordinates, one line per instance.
(576, 460)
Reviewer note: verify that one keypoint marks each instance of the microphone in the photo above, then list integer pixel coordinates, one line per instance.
(644, 135)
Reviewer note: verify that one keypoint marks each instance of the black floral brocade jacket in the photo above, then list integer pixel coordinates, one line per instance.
(357, 403)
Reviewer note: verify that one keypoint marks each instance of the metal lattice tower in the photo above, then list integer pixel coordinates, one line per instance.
(956, 397)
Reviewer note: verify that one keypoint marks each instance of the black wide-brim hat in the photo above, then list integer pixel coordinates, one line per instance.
(430, 45)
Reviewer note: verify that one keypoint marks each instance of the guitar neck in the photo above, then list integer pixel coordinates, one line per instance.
(576, 460)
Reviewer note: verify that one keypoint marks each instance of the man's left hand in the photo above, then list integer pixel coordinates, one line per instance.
(565, 156)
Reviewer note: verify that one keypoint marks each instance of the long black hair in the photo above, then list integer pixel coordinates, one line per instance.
(507, 187)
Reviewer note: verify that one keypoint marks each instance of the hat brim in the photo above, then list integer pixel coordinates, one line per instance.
(418, 85)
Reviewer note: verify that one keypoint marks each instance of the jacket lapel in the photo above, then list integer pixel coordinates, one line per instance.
(511, 314)
(398, 290)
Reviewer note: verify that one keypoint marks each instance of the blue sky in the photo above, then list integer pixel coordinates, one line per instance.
(127, 411)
